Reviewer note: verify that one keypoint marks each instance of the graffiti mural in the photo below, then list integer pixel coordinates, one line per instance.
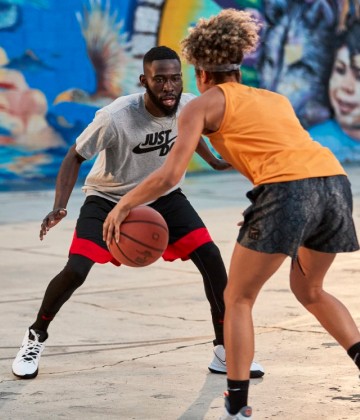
(58, 65)
(61, 61)
(341, 131)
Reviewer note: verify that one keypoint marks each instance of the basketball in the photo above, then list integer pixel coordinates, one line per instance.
(144, 236)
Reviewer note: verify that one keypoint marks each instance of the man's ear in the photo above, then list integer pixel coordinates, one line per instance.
(142, 80)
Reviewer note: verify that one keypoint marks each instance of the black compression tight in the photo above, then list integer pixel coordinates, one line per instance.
(61, 288)
(209, 262)
(207, 259)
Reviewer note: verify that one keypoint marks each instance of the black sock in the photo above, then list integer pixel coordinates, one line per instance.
(354, 353)
(238, 395)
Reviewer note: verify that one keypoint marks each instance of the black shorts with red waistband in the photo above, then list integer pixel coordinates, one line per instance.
(187, 231)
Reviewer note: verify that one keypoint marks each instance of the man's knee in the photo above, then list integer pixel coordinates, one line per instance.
(77, 269)
(209, 250)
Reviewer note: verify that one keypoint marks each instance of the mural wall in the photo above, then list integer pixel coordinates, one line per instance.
(61, 61)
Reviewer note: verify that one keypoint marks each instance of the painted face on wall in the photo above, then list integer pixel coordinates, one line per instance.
(344, 91)
(163, 83)
(296, 54)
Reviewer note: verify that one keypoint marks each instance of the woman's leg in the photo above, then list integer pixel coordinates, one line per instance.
(306, 282)
(249, 270)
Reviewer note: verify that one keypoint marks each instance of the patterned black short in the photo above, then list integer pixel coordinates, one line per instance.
(315, 213)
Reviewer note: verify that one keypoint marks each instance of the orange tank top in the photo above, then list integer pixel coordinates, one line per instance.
(261, 136)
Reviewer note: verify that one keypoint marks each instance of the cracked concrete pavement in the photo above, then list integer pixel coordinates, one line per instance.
(135, 343)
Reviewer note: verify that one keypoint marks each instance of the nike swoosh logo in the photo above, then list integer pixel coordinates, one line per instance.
(220, 360)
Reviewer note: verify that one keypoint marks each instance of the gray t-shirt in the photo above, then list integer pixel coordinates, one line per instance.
(130, 144)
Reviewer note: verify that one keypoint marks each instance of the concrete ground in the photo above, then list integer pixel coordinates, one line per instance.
(135, 343)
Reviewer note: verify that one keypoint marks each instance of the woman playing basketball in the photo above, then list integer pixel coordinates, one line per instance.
(301, 204)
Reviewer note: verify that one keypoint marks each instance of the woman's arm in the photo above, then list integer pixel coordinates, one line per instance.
(168, 175)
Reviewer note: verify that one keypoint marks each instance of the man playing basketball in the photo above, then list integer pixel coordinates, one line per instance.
(132, 137)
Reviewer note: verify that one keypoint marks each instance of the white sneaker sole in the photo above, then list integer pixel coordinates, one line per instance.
(256, 370)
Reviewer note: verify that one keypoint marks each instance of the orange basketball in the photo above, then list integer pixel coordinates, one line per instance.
(144, 236)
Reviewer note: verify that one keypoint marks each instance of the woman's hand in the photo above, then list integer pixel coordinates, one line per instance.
(241, 223)
(111, 226)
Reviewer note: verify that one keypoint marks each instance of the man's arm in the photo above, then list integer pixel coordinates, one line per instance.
(65, 182)
(205, 153)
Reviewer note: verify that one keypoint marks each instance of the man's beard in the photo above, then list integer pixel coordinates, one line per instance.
(169, 112)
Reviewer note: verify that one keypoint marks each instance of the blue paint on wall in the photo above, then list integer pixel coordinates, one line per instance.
(44, 54)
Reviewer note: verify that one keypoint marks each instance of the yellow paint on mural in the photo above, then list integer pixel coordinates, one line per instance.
(3, 57)
(174, 20)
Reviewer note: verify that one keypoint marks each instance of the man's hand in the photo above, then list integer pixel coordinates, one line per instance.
(111, 226)
(219, 164)
(50, 220)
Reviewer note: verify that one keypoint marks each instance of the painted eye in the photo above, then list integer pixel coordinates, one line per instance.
(340, 69)
(324, 12)
(274, 12)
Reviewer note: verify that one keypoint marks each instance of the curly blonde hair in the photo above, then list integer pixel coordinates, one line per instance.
(221, 39)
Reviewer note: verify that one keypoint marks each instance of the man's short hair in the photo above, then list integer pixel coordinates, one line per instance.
(160, 53)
